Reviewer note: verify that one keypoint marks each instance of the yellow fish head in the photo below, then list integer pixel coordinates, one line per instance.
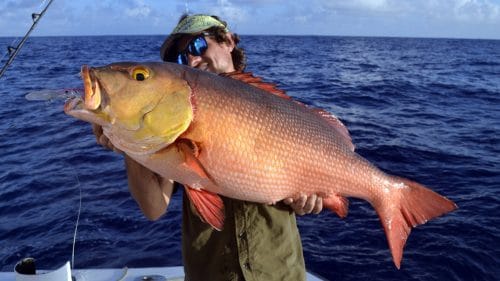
(142, 107)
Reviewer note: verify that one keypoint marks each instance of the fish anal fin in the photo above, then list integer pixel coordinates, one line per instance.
(337, 204)
(414, 204)
(209, 206)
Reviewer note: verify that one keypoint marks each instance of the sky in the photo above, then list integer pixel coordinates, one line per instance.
(478, 19)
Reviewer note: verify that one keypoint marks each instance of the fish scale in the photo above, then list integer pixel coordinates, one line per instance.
(296, 138)
(244, 140)
(291, 133)
(245, 126)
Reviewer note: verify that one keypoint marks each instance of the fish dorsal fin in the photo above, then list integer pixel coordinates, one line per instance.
(249, 78)
(336, 124)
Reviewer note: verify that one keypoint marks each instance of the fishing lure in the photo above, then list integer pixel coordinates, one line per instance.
(50, 95)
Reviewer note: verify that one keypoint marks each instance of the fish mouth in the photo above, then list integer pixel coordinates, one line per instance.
(87, 106)
(93, 97)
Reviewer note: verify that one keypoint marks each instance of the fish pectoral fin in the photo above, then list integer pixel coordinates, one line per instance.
(337, 204)
(190, 152)
(209, 206)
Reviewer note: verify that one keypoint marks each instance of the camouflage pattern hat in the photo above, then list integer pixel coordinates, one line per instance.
(189, 25)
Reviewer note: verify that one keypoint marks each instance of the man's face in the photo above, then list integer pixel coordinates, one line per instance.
(217, 58)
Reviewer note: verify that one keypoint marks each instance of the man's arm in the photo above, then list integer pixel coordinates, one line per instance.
(151, 192)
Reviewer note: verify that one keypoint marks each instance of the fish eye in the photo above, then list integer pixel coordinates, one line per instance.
(140, 74)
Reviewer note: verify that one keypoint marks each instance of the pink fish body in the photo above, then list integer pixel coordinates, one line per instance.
(242, 142)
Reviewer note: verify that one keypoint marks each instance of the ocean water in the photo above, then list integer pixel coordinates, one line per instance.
(426, 109)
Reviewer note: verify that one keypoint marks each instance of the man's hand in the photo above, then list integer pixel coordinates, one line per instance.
(305, 205)
(103, 140)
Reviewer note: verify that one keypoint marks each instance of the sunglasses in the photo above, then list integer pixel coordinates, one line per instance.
(196, 47)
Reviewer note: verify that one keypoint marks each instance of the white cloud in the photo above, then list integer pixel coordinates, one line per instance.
(139, 9)
(477, 11)
(369, 4)
(301, 19)
(362, 5)
(231, 11)
(471, 18)
(473, 11)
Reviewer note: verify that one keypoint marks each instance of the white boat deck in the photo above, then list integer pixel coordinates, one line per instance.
(174, 273)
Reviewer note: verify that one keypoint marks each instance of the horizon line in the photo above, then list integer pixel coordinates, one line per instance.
(280, 35)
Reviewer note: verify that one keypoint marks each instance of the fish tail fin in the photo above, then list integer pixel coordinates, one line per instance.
(416, 205)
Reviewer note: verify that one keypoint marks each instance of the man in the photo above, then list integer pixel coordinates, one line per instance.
(258, 241)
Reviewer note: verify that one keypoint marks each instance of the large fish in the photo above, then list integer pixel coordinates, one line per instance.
(218, 135)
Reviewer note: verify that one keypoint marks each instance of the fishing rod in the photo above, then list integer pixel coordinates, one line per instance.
(14, 50)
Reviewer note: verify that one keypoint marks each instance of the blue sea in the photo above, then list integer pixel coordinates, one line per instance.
(425, 109)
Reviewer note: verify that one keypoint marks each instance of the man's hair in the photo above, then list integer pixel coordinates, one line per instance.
(219, 33)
